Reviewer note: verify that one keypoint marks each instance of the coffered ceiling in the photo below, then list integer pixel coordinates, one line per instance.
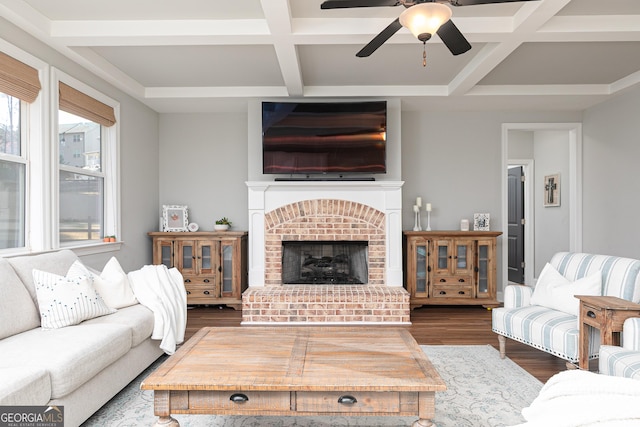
(203, 55)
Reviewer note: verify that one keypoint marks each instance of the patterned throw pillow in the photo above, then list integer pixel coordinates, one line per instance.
(66, 301)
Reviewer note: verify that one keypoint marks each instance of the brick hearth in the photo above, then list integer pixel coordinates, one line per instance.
(326, 303)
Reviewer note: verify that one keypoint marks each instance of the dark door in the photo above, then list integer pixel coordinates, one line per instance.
(516, 224)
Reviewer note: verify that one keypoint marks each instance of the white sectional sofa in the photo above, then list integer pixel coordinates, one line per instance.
(80, 366)
(551, 323)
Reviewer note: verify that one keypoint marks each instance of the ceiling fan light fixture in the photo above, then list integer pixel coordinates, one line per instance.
(424, 19)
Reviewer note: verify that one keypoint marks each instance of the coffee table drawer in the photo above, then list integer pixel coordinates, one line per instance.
(241, 400)
(345, 402)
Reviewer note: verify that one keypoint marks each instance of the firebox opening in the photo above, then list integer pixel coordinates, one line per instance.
(325, 262)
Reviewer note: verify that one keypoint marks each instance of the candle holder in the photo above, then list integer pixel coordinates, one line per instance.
(428, 221)
(416, 223)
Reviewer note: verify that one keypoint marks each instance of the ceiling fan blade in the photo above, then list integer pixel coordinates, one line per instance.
(474, 2)
(453, 38)
(379, 40)
(340, 4)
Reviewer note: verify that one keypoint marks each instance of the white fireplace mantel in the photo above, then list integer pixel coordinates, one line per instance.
(265, 196)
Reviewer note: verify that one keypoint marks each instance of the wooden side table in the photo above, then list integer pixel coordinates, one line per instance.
(606, 314)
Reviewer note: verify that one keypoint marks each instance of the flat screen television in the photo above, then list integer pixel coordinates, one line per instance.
(324, 137)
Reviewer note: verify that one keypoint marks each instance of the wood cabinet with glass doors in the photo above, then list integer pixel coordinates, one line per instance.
(451, 267)
(213, 264)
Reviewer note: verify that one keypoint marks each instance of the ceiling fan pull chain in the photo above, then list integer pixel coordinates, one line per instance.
(424, 54)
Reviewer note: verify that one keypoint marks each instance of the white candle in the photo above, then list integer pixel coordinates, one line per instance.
(416, 208)
(428, 207)
(419, 202)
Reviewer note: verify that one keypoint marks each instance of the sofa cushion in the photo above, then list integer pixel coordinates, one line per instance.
(71, 355)
(555, 291)
(113, 284)
(18, 312)
(67, 300)
(550, 330)
(24, 385)
(54, 262)
(138, 318)
(619, 362)
(620, 276)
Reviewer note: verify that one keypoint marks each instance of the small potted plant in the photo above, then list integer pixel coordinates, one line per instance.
(222, 224)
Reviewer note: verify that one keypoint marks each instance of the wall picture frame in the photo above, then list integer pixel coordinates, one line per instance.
(481, 221)
(552, 190)
(175, 218)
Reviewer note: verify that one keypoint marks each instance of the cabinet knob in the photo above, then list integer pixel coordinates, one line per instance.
(461, 292)
(187, 280)
(206, 292)
(239, 398)
(206, 280)
(347, 400)
(443, 280)
(188, 292)
(461, 280)
(591, 314)
(443, 293)
(219, 268)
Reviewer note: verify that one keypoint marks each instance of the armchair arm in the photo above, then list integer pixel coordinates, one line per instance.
(631, 334)
(517, 296)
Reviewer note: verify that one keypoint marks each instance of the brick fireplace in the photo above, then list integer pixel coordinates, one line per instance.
(325, 211)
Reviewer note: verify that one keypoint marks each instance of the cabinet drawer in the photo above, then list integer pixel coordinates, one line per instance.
(592, 316)
(348, 402)
(201, 292)
(240, 400)
(451, 291)
(452, 280)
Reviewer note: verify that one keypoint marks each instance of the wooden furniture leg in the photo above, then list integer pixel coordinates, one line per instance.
(166, 422)
(503, 346)
(422, 423)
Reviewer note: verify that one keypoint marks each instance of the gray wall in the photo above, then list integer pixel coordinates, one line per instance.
(611, 184)
(138, 154)
(203, 164)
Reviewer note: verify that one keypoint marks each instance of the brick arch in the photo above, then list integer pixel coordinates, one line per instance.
(324, 219)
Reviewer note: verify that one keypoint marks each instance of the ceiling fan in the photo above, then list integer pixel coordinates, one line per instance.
(421, 17)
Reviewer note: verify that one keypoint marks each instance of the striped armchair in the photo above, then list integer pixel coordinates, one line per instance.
(623, 361)
(554, 331)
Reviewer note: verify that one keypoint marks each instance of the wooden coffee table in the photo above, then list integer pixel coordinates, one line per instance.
(297, 371)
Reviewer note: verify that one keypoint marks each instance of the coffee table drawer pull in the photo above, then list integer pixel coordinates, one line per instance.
(347, 400)
(239, 398)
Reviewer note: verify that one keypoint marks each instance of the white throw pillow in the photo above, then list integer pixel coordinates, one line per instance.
(558, 293)
(112, 284)
(66, 301)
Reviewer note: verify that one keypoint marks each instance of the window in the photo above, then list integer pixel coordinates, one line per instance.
(86, 166)
(58, 184)
(12, 174)
(19, 86)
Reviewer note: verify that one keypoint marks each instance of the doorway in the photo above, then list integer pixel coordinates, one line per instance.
(512, 136)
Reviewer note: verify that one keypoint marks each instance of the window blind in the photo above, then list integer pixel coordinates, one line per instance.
(75, 102)
(18, 79)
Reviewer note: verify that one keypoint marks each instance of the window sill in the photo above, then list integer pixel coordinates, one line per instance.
(96, 248)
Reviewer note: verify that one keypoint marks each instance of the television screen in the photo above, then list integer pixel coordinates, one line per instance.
(320, 138)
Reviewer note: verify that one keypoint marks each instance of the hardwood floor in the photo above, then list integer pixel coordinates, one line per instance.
(431, 325)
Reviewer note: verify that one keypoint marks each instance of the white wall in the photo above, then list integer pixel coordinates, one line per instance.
(138, 154)
(611, 151)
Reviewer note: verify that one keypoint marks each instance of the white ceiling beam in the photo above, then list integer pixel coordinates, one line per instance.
(528, 19)
(278, 16)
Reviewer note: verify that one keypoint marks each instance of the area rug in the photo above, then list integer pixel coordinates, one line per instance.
(482, 390)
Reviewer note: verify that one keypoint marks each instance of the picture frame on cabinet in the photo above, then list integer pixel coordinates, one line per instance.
(481, 221)
(552, 190)
(175, 218)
